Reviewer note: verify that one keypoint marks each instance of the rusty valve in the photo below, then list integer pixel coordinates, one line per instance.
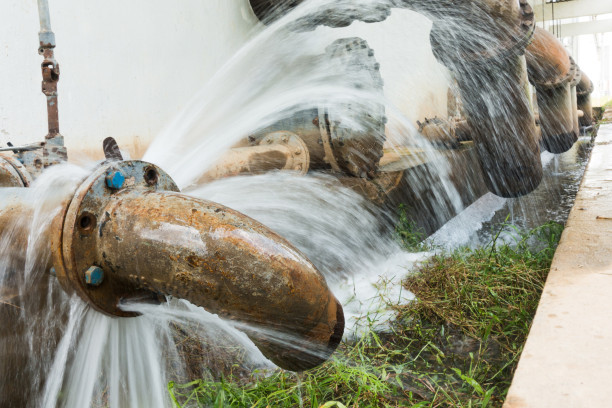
(128, 233)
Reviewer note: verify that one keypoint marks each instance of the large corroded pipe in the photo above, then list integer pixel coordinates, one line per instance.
(551, 71)
(483, 48)
(584, 88)
(355, 149)
(128, 233)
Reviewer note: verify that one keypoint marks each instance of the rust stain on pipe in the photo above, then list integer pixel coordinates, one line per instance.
(275, 151)
(219, 259)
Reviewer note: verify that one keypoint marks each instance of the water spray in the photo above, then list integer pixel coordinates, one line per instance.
(128, 234)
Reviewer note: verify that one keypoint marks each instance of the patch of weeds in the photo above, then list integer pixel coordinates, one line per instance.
(456, 346)
(410, 236)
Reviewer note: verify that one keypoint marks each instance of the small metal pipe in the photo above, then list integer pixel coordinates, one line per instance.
(44, 17)
(50, 68)
(54, 150)
(275, 151)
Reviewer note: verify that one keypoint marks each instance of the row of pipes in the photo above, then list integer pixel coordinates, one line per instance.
(492, 65)
(114, 239)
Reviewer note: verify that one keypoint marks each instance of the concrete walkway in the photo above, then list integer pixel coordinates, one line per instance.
(567, 360)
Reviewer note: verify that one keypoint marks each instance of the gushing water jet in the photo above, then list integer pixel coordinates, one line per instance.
(127, 233)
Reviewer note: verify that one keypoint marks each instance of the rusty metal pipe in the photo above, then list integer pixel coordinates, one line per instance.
(216, 258)
(551, 71)
(332, 145)
(54, 150)
(147, 239)
(584, 88)
(489, 67)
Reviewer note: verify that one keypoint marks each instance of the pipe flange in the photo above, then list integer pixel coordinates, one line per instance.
(560, 81)
(298, 158)
(75, 247)
(13, 173)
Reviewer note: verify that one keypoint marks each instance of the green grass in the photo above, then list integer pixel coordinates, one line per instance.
(457, 346)
(410, 236)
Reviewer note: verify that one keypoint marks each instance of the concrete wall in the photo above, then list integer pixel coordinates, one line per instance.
(129, 66)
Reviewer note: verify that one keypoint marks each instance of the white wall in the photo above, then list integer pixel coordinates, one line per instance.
(128, 66)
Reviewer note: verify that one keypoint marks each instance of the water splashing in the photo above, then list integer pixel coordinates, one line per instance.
(82, 358)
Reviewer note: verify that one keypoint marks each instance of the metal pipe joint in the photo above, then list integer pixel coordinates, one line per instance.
(128, 233)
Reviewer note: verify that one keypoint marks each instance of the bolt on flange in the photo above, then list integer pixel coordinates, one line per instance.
(94, 276)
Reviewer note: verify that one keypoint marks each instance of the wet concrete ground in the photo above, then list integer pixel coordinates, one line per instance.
(553, 199)
(567, 358)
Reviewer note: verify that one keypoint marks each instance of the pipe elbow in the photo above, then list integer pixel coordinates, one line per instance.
(151, 241)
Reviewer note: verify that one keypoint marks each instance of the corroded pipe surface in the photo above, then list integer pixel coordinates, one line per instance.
(216, 258)
(551, 71)
(148, 240)
(439, 132)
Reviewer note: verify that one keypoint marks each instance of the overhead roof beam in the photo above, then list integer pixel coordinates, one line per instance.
(589, 27)
(571, 9)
